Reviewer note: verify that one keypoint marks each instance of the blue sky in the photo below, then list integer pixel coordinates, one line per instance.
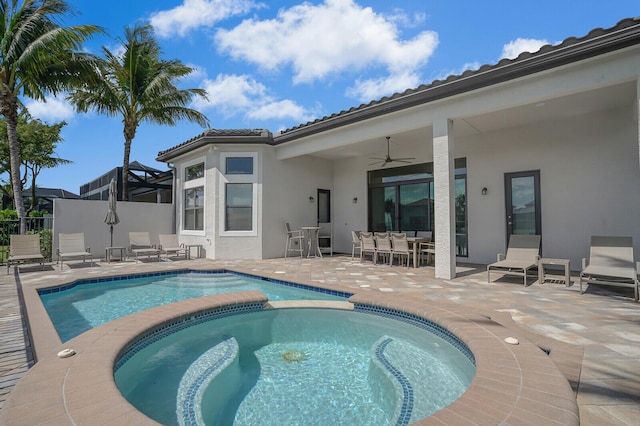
(278, 64)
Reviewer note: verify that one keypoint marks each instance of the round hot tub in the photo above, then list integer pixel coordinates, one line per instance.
(307, 366)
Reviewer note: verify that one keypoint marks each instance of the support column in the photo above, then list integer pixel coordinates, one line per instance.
(444, 198)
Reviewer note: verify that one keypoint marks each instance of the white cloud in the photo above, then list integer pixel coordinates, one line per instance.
(232, 95)
(53, 109)
(514, 48)
(318, 41)
(366, 90)
(192, 14)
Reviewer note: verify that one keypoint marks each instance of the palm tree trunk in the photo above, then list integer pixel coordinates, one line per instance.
(11, 118)
(125, 170)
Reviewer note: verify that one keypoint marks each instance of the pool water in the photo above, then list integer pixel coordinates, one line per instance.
(295, 366)
(81, 307)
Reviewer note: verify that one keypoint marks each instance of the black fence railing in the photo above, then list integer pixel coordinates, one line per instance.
(34, 225)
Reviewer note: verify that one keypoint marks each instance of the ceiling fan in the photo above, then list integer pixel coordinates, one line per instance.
(384, 161)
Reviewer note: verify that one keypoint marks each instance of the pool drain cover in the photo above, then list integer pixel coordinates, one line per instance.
(293, 355)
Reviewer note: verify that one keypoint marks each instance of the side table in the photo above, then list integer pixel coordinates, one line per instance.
(109, 251)
(549, 261)
(188, 248)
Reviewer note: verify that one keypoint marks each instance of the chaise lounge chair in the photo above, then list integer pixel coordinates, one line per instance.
(140, 245)
(24, 248)
(72, 246)
(522, 255)
(169, 245)
(610, 263)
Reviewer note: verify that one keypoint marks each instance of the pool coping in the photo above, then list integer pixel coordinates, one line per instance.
(518, 384)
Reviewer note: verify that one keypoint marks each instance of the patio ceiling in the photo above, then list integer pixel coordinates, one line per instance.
(543, 110)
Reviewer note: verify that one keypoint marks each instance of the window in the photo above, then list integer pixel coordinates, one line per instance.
(239, 207)
(239, 166)
(194, 209)
(194, 172)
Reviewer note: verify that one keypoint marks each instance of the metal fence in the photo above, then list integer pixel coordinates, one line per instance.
(39, 225)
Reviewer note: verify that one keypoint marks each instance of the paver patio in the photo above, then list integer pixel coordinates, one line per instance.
(604, 321)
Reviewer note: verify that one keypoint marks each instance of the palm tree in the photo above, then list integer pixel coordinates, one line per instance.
(138, 86)
(37, 57)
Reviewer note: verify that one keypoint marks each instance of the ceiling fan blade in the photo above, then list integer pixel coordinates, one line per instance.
(377, 158)
(377, 162)
(401, 161)
(406, 158)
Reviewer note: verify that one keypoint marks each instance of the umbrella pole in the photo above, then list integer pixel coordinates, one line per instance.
(111, 226)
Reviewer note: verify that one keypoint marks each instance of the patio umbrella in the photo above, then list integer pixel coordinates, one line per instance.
(112, 216)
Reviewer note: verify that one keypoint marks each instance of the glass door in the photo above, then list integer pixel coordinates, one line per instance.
(383, 209)
(414, 206)
(522, 201)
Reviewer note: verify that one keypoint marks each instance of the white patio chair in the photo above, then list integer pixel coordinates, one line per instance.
(368, 246)
(325, 237)
(293, 238)
(383, 247)
(355, 243)
(611, 262)
(72, 246)
(400, 247)
(522, 254)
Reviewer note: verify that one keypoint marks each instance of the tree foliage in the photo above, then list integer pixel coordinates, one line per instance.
(136, 84)
(38, 56)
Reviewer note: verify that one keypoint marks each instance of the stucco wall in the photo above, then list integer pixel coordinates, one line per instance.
(288, 184)
(70, 216)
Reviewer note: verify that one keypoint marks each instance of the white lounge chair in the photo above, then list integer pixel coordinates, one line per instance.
(24, 248)
(522, 255)
(611, 262)
(169, 245)
(72, 246)
(140, 245)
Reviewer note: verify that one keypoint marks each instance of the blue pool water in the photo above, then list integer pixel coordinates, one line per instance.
(83, 305)
(296, 366)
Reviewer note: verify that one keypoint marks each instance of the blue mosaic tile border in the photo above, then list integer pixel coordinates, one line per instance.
(417, 321)
(213, 362)
(73, 284)
(171, 327)
(407, 390)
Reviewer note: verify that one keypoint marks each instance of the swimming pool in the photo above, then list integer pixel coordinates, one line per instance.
(296, 366)
(82, 305)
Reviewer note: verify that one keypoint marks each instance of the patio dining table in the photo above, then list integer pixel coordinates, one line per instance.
(310, 237)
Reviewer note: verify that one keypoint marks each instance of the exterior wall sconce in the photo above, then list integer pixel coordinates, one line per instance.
(311, 199)
(355, 200)
(484, 191)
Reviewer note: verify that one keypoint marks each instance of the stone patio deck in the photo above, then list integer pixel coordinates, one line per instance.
(604, 321)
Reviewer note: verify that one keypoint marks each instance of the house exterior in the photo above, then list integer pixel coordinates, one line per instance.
(547, 143)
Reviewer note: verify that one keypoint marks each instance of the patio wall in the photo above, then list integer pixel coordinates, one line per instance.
(88, 216)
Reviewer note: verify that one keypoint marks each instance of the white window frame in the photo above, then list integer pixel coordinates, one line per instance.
(189, 184)
(238, 178)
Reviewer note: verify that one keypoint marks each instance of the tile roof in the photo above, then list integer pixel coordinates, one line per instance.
(220, 136)
(598, 41)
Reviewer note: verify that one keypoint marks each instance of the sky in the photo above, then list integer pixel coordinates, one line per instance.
(278, 64)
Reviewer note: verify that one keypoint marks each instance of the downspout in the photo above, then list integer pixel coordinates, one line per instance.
(172, 167)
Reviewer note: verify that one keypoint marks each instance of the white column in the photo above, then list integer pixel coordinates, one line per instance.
(444, 197)
(638, 111)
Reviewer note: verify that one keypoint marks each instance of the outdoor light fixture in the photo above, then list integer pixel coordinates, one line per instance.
(311, 199)
(484, 191)
(355, 200)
